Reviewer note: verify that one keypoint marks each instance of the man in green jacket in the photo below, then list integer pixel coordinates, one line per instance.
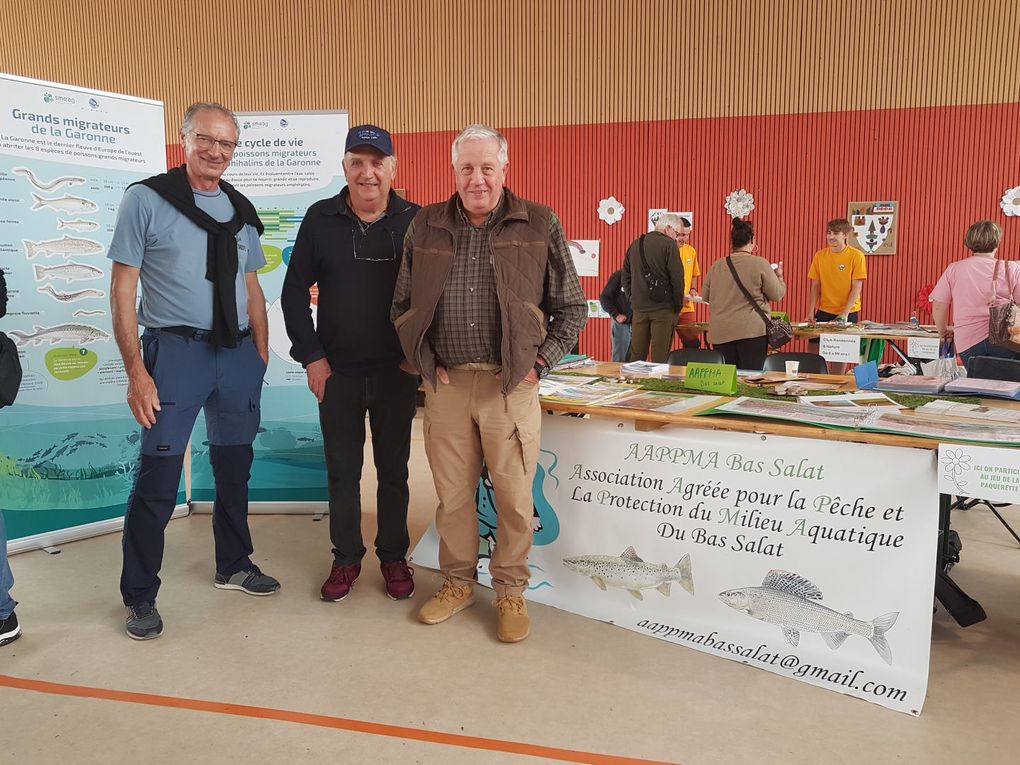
(657, 303)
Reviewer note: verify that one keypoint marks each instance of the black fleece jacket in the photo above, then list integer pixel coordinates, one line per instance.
(356, 271)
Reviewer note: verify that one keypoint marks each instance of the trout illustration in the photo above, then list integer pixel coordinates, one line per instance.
(627, 571)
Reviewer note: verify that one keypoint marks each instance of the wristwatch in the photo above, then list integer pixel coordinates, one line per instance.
(541, 369)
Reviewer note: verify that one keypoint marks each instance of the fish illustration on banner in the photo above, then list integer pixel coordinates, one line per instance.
(70, 297)
(67, 246)
(629, 572)
(82, 334)
(69, 272)
(874, 225)
(80, 225)
(790, 602)
(56, 183)
(67, 203)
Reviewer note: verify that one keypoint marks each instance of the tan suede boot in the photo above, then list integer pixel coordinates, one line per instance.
(451, 599)
(514, 624)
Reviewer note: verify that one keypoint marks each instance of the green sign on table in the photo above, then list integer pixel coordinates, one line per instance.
(714, 378)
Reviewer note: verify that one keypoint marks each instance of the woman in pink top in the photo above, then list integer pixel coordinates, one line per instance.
(968, 285)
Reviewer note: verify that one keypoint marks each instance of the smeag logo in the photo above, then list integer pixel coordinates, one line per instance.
(93, 103)
(283, 123)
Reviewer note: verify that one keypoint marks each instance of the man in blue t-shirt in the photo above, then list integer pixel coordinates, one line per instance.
(192, 241)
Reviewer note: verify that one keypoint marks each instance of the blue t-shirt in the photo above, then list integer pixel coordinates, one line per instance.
(170, 250)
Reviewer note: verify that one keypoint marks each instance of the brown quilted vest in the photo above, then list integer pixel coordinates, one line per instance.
(520, 250)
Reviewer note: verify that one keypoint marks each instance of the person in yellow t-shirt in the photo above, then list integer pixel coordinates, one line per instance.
(836, 278)
(689, 337)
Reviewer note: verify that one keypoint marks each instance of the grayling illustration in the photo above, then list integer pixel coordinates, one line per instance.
(789, 602)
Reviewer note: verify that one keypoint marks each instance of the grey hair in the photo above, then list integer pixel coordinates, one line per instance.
(481, 133)
(207, 106)
(392, 159)
(671, 220)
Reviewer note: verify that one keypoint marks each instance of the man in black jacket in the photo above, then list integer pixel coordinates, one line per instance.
(657, 302)
(351, 245)
(615, 302)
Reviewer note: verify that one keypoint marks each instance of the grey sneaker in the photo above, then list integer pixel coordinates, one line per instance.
(144, 622)
(251, 581)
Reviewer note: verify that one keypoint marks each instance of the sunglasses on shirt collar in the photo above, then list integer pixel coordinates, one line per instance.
(375, 242)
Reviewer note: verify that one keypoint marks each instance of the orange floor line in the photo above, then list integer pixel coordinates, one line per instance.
(323, 721)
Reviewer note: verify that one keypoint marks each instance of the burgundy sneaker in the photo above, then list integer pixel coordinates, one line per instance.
(341, 580)
(399, 579)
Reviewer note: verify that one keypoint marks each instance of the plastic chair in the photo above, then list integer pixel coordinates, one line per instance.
(810, 363)
(682, 356)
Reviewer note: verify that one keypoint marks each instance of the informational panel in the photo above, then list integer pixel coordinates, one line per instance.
(283, 163)
(811, 559)
(69, 445)
(982, 472)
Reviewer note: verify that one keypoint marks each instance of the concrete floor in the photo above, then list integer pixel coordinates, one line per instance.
(318, 670)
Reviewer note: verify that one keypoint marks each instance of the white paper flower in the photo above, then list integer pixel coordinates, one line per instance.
(1010, 203)
(610, 210)
(739, 203)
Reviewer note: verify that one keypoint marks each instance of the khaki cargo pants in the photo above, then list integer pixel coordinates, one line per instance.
(465, 422)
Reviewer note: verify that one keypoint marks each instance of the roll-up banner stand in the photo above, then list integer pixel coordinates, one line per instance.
(284, 162)
(69, 445)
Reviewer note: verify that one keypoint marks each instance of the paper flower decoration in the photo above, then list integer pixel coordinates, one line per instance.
(610, 210)
(1010, 203)
(739, 203)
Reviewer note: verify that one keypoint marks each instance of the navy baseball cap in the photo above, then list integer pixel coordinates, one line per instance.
(369, 135)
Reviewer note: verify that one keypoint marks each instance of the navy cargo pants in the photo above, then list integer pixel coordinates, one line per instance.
(191, 374)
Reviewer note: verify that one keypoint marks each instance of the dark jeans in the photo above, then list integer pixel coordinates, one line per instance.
(985, 348)
(192, 375)
(390, 400)
(746, 354)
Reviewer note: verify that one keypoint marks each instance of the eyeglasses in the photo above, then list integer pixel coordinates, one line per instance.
(375, 243)
(207, 142)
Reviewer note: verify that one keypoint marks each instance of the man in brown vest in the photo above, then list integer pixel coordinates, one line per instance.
(487, 299)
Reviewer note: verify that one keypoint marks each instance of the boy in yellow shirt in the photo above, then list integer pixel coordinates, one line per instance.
(690, 338)
(836, 278)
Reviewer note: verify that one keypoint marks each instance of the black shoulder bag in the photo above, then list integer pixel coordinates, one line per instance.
(778, 331)
(659, 289)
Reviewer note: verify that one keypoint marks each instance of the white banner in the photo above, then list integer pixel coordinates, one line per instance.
(840, 348)
(810, 559)
(284, 163)
(981, 472)
(69, 444)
